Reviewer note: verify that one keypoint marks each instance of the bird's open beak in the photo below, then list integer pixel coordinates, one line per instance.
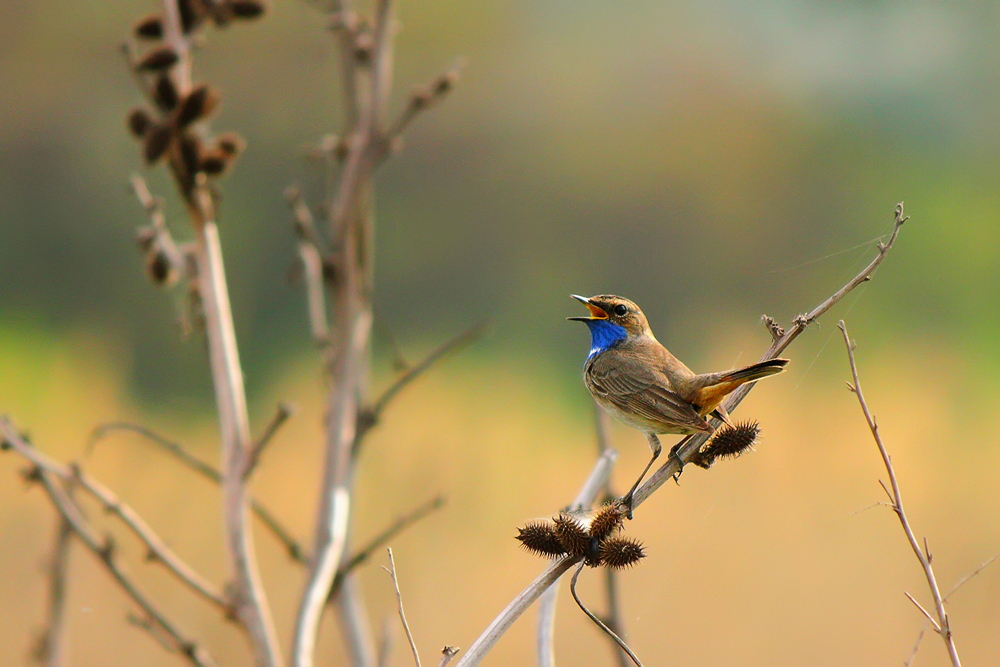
(596, 312)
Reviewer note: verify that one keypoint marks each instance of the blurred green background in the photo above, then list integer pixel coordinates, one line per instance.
(712, 161)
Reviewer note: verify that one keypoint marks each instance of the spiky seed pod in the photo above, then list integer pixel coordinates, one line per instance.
(539, 537)
(728, 442)
(607, 520)
(197, 104)
(159, 268)
(620, 552)
(214, 162)
(572, 536)
(157, 60)
(164, 92)
(157, 141)
(138, 122)
(192, 13)
(246, 9)
(230, 143)
(149, 27)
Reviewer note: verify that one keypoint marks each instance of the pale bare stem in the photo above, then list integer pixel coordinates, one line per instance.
(614, 619)
(622, 645)
(399, 601)
(282, 414)
(382, 63)
(690, 445)
(589, 493)
(157, 549)
(162, 241)
(312, 255)
(295, 550)
(447, 653)
(686, 448)
(53, 477)
(369, 417)
(916, 646)
(51, 648)
(421, 99)
(546, 644)
(380, 540)
(961, 582)
(941, 624)
(920, 608)
(354, 625)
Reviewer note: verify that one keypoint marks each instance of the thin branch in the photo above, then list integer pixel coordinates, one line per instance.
(51, 649)
(546, 643)
(280, 417)
(447, 653)
(354, 626)
(295, 550)
(380, 540)
(370, 417)
(157, 548)
(597, 621)
(941, 625)
(385, 643)
(916, 646)
(399, 600)
(961, 582)
(685, 449)
(597, 479)
(103, 548)
(312, 255)
(927, 615)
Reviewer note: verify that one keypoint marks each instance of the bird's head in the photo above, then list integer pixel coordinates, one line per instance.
(612, 319)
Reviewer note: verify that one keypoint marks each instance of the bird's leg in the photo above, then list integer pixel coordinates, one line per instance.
(654, 444)
(675, 454)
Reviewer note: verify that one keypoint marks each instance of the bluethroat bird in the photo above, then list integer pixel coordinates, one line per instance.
(635, 379)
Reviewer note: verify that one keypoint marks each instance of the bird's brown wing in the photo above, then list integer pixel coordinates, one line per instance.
(639, 390)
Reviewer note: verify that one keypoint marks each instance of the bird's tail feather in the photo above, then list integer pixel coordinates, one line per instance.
(755, 371)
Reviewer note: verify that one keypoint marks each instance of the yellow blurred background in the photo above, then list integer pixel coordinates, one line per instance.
(712, 161)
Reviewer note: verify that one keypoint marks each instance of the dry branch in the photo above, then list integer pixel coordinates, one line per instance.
(940, 623)
(402, 614)
(685, 450)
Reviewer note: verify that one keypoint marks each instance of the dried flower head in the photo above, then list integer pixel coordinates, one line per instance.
(191, 152)
(197, 104)
(192, 12)
(164, 92)
(246, 9)
(157, 60)
(157, 141)
(572, 535)
(159, 268)
(215, 162)
(728, 442)
(149, 27)
(230, 143)
(539, 537)
(620, 552)
(138, 122)
(607, 520)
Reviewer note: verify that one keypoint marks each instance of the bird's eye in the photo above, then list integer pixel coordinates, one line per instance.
(620, 310)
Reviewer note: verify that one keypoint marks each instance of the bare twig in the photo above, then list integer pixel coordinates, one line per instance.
(546, 643)
(961, 582)
(51, 649)
(941, 624)
(157, 548)
(447, 653)
(916, 645)
(685, 450)
(280, 417)
(312, 255)
(295, 550)
(399, 600)
(622, 645)
(377, 542)
(385, 643)
(370, 417)
(588, 495)
(354, 624)
(103, 548)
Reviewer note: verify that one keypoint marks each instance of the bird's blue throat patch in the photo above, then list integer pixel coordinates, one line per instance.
(604, 335)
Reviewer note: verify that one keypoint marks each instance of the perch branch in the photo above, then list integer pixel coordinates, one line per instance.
(51, 649)
(685, 449)
(280, 417)
(588, 495)
(399, 601)
(941, 624)
(447, 653)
